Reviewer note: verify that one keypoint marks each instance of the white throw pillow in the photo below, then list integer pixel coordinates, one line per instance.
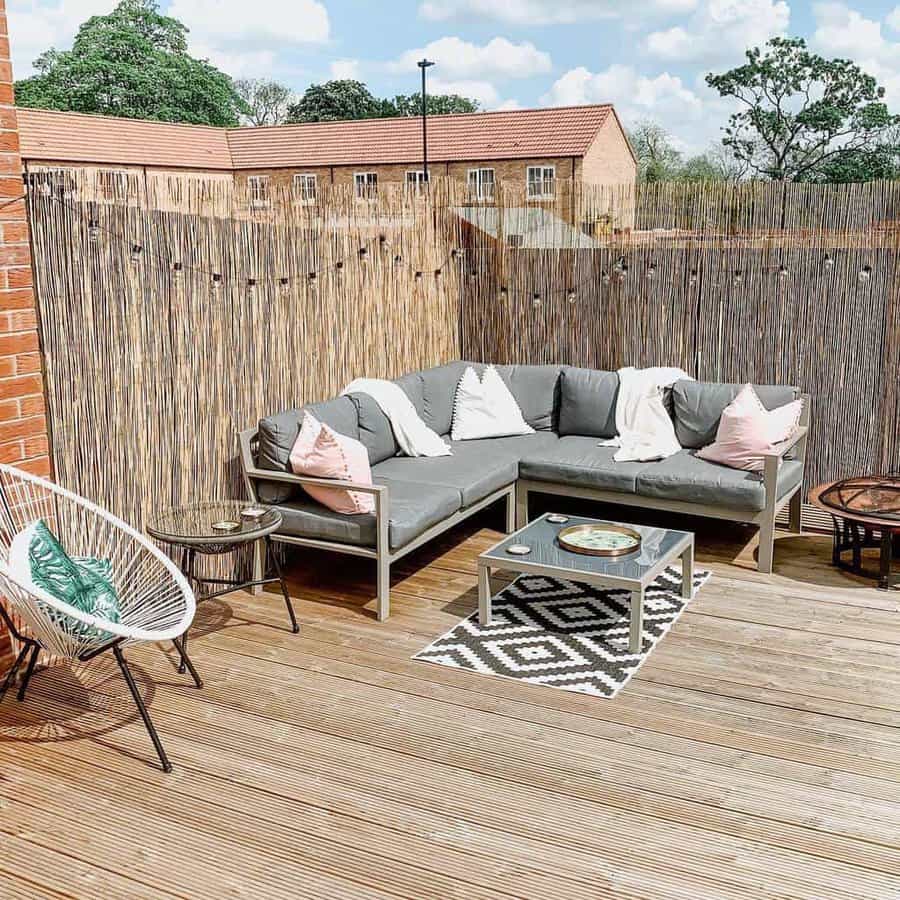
(485, 408)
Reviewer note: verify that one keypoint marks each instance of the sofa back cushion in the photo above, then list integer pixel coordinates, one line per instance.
(587, 403)
(438, 390)
(698, 406)
(276, 436)
(536, 390)
(375, 432)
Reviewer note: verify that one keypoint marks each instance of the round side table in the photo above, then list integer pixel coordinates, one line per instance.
(855, 527)
(198, 528)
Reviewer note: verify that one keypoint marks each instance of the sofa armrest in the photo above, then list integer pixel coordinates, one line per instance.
(782, 449)
(772, 461)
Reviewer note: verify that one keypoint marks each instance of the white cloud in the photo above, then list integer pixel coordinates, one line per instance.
(342, 69)
(841, 31)
(35, 27)
(692, 115)
(482, 91)
(250, 39)
(720, 31)
(498, 58)
(541, 12)
(893, 19)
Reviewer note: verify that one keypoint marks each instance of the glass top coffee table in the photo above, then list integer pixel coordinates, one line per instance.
(633, 572)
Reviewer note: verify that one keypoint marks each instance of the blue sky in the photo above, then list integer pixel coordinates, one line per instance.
(648, 57)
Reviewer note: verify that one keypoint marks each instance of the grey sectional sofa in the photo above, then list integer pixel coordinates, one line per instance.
(571, 410)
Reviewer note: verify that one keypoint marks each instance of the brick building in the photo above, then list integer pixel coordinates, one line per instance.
(535, 150)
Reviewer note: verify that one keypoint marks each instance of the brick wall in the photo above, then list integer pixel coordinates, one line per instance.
(23, 425)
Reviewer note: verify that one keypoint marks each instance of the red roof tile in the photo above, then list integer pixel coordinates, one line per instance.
(512, 134)
(75, 137)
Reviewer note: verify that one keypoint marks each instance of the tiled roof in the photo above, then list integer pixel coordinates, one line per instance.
(495, 135)
(75, 137)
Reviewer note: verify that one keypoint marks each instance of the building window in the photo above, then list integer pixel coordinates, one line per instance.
(366, 185)
(305, 188)
(481, 183)
(258, 191)
(416, 179)
(57, 183)
(541, 181)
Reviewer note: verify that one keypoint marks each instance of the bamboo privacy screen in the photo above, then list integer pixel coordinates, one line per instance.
(795, 284)
(151, 373)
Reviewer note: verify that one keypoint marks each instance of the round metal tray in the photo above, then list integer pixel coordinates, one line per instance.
(566, 534)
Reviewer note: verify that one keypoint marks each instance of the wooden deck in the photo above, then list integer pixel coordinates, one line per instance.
(755, 755)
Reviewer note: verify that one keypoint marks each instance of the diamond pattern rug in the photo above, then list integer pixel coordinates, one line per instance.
(562, 634)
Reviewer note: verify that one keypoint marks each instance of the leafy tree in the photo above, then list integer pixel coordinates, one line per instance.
(802, 115)
(267, 101)
(437, 104)
(334, 101)
(657, 159)
(132, 63)
(337, 100)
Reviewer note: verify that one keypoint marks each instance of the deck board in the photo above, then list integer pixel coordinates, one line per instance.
(756, 754)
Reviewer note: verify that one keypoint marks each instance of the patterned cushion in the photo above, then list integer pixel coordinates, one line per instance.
(37, 557)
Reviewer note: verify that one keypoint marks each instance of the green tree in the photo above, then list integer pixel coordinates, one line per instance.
(267, 101)
(437, 104)
(658, 160)
(346, 99)
(334, 101)
(132, 63)
(801, 115)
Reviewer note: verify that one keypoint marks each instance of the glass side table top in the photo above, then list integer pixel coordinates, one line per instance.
(193, 524)
(657, 544)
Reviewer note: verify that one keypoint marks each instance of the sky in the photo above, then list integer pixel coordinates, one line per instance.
(648, 57)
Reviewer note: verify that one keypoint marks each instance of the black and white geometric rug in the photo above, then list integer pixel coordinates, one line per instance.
(562, 634)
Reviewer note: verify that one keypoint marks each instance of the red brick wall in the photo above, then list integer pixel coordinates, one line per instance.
(23, 425)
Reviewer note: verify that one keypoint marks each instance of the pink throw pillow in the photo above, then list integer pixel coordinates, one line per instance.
(321, 452)
(747, 430)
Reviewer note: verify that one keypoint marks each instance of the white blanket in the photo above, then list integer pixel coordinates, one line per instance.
(412, 434)
(645, 429)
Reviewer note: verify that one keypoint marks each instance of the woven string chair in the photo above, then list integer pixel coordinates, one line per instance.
(154, 601)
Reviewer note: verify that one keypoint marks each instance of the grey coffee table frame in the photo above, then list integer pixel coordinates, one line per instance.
(521, 565)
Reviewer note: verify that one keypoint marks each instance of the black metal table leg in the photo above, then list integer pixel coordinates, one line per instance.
(887, 548)
(11, 674)
(271, 551)
(35, 650)
(187, 566)
(142, 709)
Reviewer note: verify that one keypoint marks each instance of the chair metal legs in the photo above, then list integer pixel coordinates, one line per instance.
(142, 709)
(35, 650)
(13, 670)
(295, 628)
(186, 661)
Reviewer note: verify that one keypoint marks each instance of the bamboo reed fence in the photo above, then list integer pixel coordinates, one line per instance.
(152, 371)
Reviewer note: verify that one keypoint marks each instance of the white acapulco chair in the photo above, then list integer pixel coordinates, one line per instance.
(153, 599)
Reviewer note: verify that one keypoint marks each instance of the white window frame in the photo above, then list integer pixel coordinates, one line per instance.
(543, 180)
(418, 180)
(258, 191)
(300, 186)
(365, 185)
(480, 183)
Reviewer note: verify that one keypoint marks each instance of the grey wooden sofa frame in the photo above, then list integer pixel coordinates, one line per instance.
(765, 518)
(382, 553)
(516, 495)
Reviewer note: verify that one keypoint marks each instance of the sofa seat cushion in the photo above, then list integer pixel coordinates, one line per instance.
(687, 478)
(414, 508)
(580, 461)
(475, 469)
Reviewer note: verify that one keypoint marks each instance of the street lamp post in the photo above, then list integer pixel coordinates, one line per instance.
(423, 65)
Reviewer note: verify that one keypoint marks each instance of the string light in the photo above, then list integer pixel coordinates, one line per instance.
(93, 230)
(285, 285)
(571, 296)
(738, 277)
(437, 273)
(382, 239)
(783, 273)
(339, 268)
(177, 268)
(216, 281)
(865, 273)
(251, 286)
(605, 277)
(136, 251)
(536, 300)
(651, 270)
(312, 277)
(363, 253)
(418, 276)
(454, 254)
(398, 260)
(692, 279)
(828, 262)
(504, 292)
